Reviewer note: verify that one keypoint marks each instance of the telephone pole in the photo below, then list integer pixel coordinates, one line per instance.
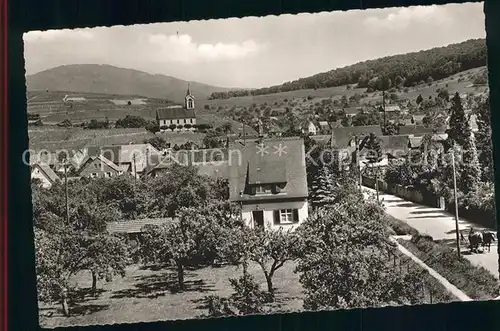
(135, 170)
(358, 163)
(66, 190)
(456, 199)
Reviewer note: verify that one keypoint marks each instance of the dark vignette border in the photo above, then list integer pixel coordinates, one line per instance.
(26, 15)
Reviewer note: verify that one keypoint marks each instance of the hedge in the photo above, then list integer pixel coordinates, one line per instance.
(477, 282)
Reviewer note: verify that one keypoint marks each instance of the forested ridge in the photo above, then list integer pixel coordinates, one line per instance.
(403, 70)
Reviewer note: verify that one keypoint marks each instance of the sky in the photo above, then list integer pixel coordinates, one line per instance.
(258, 52)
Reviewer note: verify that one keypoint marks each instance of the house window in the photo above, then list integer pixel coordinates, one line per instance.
(108, 174)
(96, 165)
(263, 189)
(286, 216)
(94, 175)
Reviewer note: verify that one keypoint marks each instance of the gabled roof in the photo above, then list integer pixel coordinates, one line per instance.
(173, 113)
(47, 171)
(103, 159)
(395, 143)
(352, 110)
(342, 136)
(415, 142)
(265, 154)
(419, 130)
(261, 171)
(324, 123)
(135, 226)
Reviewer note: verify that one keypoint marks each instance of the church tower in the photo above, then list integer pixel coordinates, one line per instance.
(189, 100)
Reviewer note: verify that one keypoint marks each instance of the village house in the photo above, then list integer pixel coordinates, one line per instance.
(131, 158)
(352, 111)
(177, 117)
(210, 162)
(309, 128)
(99, 167)
(270, 182)
(417, 130)
(43, 173)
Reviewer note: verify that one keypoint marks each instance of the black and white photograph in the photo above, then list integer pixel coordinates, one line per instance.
(261, 165)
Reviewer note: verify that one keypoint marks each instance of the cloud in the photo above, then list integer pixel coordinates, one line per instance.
(182, 48)
(403, 18)
(57, 35)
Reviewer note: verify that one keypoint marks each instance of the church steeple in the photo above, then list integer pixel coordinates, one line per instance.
(189, 99)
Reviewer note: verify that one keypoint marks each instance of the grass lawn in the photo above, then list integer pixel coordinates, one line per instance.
(148, 295)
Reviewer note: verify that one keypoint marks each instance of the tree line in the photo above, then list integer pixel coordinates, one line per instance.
(402, 70)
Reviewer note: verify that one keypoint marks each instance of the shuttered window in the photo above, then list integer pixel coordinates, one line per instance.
(286, 216)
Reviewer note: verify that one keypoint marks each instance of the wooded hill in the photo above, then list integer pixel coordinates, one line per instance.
(408, 69)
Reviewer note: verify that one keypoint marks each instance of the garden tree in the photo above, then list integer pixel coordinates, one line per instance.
(344, 102)
(483, 137)
(212, 139)
(271, 250)
(419, 99)
(364, 119)
(170, 244)
(65, 248)
(152, 126)
(157, 142)
(390, 129)
(444, 95)
(226, 127)
(180, 186)
(130, 121)
(434, 118)
(459, 131)
(342, 262)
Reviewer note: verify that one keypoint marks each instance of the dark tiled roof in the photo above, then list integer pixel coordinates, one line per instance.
(396, 142)
(174, 113)
(292, 156)
(343, 136)
(134, 226)
(261, 171)
(417, 130)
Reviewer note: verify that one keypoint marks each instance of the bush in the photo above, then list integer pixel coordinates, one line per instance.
(399, 227)
(476, 282)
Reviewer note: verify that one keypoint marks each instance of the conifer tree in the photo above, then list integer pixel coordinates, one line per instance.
(321, 188)
(483, 139)
(459, 130)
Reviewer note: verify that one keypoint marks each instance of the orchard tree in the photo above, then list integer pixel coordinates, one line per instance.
(342, 263)
(271, 250)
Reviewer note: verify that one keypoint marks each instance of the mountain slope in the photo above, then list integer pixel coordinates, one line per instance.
(403, 70)
(113, 80)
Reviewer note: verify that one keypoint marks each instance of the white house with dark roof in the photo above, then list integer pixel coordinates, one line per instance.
(270, 182)
(177, 117)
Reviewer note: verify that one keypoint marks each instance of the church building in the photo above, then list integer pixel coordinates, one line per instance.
(177, 117)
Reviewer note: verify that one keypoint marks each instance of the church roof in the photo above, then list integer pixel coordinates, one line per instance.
(172, 113)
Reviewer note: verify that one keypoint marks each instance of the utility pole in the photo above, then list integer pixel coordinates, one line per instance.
(376, 182)
(383, 106)
(135, 170)
(358, 164)
(456, 199)
(66, 190)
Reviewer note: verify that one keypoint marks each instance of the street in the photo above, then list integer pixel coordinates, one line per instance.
(438, 224)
